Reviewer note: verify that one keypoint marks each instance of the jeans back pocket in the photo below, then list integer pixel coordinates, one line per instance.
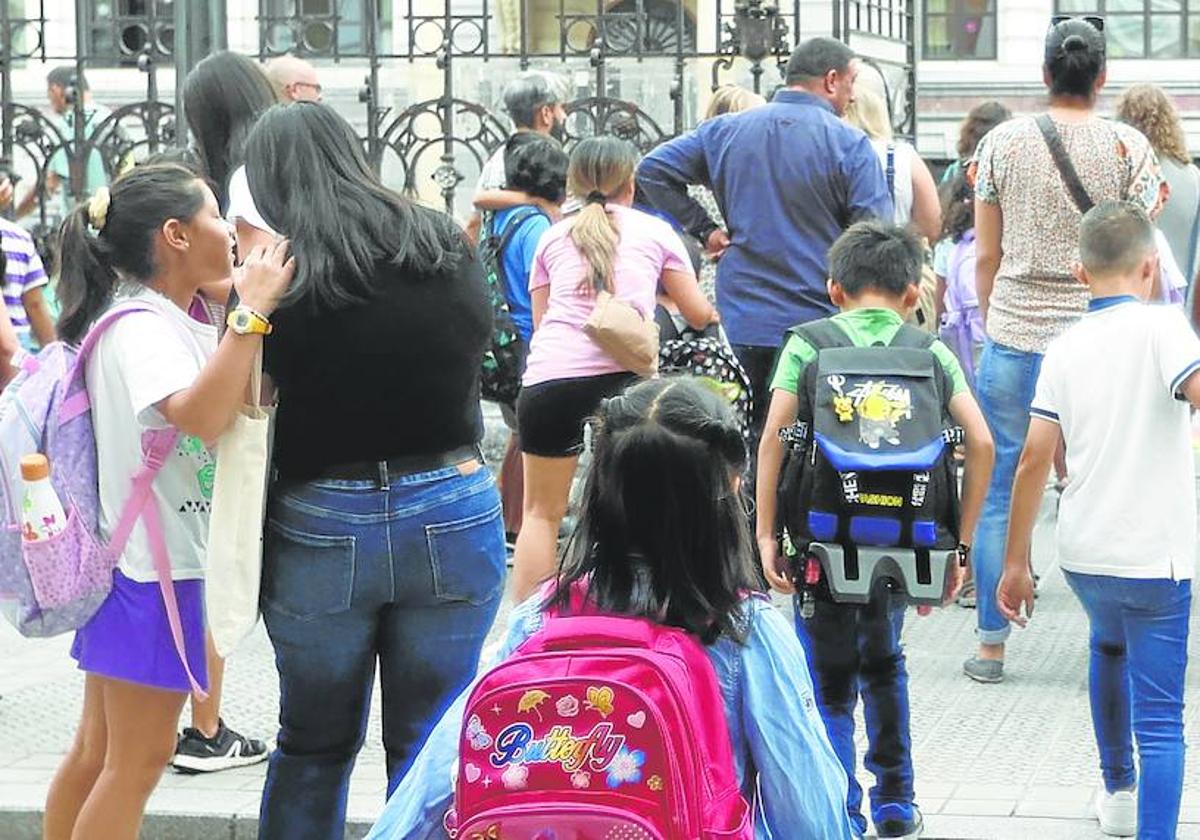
(466, 557)
(306, 576)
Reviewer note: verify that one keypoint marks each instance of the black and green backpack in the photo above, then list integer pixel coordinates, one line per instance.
(870, 460)
(504, 360)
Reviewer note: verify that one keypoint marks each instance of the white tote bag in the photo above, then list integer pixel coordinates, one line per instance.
(235, 526)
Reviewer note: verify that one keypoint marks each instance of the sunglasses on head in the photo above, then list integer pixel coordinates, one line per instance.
(1095, 20)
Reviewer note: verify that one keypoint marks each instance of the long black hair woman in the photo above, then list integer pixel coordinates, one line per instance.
(384, 543)
(223, 98)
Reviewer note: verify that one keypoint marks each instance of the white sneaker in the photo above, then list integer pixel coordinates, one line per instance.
(1117, 812)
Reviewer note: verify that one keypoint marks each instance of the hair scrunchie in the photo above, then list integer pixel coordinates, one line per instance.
(596, 197)
(98, 208)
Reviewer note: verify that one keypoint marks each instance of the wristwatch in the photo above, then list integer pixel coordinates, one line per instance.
(963, 551)
(245, 321)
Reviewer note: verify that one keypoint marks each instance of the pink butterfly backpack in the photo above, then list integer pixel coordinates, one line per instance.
(599, 727)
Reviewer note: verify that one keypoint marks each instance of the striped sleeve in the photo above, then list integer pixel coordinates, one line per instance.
(23, 267)
(1045, 404)
(1177, 348)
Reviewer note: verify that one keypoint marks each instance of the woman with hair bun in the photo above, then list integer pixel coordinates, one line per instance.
(1027, 243)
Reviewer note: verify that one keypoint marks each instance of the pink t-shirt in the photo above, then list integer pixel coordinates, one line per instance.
(560, 349)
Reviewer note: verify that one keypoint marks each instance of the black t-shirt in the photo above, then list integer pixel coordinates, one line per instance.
(396, 376)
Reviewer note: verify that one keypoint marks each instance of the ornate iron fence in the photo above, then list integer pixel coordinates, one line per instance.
(432, 72)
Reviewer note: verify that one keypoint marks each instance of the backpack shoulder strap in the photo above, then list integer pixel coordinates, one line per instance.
(514, 224)
(1062, 160)
(822, 335)
(77, 401)
(910, 336)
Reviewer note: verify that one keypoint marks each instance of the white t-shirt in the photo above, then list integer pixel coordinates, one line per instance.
(241, 202)
(1111, 382)
(492, 176)
(141, 360)
(902, 185)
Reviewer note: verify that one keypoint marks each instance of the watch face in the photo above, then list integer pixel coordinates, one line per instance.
(242, 321)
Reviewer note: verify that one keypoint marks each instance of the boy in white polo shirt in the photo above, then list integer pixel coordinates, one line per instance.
(1117, 385)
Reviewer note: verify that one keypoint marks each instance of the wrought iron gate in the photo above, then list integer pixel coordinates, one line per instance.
(432, 71)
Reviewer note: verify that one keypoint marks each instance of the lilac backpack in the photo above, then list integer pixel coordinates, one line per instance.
(52, 586)
(962, 326)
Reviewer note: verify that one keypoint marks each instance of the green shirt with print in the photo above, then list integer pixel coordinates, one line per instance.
(864, 327)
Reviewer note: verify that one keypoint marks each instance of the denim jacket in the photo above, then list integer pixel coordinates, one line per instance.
(782, 753)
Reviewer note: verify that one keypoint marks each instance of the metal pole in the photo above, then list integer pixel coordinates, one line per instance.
(148, 64)
(677, 87)
(450, 176)
(370, 93)
(6, 94)
(79, 155)
(183, 65)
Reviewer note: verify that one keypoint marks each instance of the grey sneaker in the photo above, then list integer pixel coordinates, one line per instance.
(984, 670)
(966, 595)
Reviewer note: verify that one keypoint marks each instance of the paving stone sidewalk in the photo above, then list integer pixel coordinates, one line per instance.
(1014, 760)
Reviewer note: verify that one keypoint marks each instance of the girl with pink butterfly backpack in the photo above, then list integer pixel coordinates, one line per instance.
(644, 693)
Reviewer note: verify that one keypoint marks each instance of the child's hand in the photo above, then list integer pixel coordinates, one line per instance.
(267, 272)
(775, 566)
(955, 576)
(1015, 590)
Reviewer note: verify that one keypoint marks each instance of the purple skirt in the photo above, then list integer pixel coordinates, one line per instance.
(129, 638)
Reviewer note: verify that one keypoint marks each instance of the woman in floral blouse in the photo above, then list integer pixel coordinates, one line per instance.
(1026, 224)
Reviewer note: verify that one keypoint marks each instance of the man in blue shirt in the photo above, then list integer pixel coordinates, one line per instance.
(789, 177)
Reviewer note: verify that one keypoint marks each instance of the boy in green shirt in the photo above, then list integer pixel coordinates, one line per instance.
(875, 270)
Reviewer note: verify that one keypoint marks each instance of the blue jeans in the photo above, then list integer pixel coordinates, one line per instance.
(1005, 385)
(408, 572)
(855, 649)
(1139, 633)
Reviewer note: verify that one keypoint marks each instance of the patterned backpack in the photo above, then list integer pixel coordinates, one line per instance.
(599, 727)
(56, 585)
(504, 359)
(706, 355)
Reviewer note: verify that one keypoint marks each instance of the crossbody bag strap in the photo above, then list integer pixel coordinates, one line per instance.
(1062, 160)
(891, 171)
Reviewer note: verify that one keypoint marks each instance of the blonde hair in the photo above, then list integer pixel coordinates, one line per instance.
(732, 99)
(869, 112)
(1148, 109)
(601, 168)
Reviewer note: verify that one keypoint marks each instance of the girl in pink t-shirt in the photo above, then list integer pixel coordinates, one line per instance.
(605, 246)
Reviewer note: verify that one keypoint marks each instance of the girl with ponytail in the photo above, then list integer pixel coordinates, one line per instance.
(157, 237)
(607, 246)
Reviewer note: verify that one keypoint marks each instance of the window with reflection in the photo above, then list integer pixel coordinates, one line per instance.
(121, 30)
(318, 28)
(959, 29)
(1143, 28)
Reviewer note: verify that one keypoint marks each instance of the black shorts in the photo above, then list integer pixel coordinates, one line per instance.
(551, 415)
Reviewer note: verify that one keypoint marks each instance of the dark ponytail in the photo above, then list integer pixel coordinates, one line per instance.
(86, 278)
(1075, 58)
(100, 244)
(662, 533)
